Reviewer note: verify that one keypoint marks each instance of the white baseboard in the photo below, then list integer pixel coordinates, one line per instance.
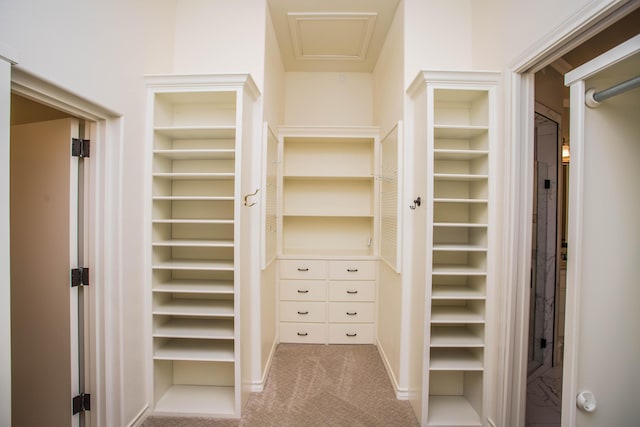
(401, 393)
(142, 415)
(258, 386)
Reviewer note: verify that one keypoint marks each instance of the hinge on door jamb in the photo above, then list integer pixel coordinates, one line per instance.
(81, 403)
(79, 276)
(80, 147)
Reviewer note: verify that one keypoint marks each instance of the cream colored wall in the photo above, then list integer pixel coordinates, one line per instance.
(274, 115)
(95, 50)
(273, 93)
(388, 77)
(389, 102)
(503, 30)
(328, 99)
(220, 36)
(438, 36)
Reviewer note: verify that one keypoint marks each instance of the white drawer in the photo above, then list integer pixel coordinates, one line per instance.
(352, 291)
(303, 290)
(351, 312)
(312, 333)
(351, 334)
(302, 269)
(352, 270)
(303, 311)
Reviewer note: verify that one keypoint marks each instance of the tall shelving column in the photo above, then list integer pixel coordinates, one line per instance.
(196, 143)
(460, 140)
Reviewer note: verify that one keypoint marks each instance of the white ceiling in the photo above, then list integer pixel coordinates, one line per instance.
(331, 35)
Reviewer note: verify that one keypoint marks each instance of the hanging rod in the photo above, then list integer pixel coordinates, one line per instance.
(593, 98)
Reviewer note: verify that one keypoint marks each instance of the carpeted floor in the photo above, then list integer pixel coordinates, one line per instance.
(317, 385)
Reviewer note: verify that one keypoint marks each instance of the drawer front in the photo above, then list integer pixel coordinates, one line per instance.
(302, 311)
(312, 333)
(352, 291)
(351, 312)
(303, 290)
(352, 270)
(302, 269)
(351, 334)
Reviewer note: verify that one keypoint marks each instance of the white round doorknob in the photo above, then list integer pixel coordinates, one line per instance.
(586, 401)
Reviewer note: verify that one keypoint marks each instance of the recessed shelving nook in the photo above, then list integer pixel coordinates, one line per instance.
(197, 127)
(329, 191)
(328, 241)
(460, 137)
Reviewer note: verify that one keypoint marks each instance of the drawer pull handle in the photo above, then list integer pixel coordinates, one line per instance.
(303, 269)
(303, 312)
(302, 334)
(351, 335)
(351, 313)
(352, 270)
(352, 292)
(303, 291)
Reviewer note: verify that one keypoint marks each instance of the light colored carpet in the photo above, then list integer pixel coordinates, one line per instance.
(317, 385)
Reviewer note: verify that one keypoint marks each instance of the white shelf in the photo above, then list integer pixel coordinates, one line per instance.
(460, 248)
(192, 221)
(195, 243)
(458, 270)
(454, 336)
(194, 265)
(195, 350)
(456, 292)
(460, 224)
(197, 400)
(196, 154)
(452, 154)
(455, 314)
(195, 328)
(194, 307)
(452, 411)
(193, 199)
(458, 132)
(458, 200)
(197, 132)
(194, 175)
(459, 177)
(454, 359)
(195, 286)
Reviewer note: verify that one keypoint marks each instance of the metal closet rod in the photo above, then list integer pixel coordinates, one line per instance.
(594, 98)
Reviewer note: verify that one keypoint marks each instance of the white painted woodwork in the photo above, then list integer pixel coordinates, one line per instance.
(43, 312)
(604, 236)
(454, 132)
(201, 130)
(5, 258)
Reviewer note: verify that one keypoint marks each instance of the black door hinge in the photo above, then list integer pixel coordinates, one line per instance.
(79, 276)
(543, 343)
(81, 403)
(80, 147)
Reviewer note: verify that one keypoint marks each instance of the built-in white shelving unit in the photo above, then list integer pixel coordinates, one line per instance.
(196, 133)
(460, 138)
(329, 191)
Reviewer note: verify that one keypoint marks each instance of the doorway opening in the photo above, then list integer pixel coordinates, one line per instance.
(550, 187)
(48, 229)
(547, 286)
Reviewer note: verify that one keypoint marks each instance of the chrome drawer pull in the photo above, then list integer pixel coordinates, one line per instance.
(351, 335)
(303, 312)
(303, 269)
(351, 313)
(352, 270)
(352, 292)
(303, 291)
(302, 334)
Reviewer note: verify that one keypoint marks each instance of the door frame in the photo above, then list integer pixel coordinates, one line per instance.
(103, 223)
(519, 133)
